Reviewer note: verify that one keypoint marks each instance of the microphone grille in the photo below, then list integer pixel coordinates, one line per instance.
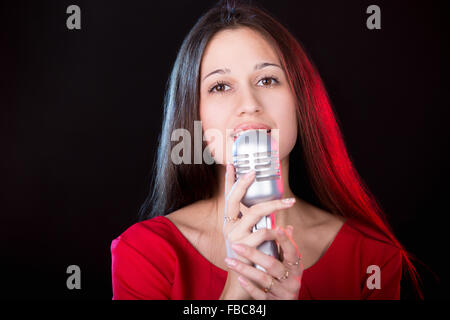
(253, 150)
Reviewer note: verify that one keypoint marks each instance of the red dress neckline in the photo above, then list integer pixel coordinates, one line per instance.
(319, 262)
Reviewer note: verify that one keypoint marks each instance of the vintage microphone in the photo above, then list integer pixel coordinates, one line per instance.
(257, 150)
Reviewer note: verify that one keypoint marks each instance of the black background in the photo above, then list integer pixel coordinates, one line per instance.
(81, 112)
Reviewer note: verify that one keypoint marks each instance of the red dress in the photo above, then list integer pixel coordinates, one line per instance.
(153, 260)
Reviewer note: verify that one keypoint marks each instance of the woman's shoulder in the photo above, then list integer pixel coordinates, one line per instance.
(151, 228)
(373, 245)
(168, 230)
(147, 237)
(143, 260)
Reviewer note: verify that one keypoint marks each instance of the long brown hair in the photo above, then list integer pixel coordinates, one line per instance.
(320, 155)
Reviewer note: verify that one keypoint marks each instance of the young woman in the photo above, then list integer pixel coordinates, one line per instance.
(240, 69)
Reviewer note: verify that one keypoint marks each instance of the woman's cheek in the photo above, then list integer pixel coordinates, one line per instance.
(288, 135)
(287, 143)
(219, 145)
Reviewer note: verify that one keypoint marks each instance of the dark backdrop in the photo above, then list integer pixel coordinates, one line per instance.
(81, 111)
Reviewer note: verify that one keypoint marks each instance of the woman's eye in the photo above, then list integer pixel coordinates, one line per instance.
(219, 87)
(268, 81)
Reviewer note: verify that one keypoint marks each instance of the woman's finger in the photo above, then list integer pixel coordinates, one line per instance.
(290, 250)
(261, 279)
(244, 210)
(291, 258)
(258, 237)
(255, 292)
(272, 266)
(237, 192)
(229, 178)
(229, 182)
(257, 211)
(250, 272)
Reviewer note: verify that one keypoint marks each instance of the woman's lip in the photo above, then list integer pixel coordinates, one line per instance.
(248, 126)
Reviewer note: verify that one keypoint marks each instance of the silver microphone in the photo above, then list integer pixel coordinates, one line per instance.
(256, 150)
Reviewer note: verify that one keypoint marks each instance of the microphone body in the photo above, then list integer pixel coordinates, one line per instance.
(256, 150)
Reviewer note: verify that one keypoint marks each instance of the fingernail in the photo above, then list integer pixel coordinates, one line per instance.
(230, 262)
(238, 248)
(288, 200)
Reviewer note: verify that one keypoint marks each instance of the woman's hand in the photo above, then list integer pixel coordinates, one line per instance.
(282, 279)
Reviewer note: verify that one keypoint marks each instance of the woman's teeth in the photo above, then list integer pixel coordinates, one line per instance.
(237, 134)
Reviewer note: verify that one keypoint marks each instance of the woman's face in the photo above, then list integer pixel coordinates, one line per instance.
(243, 85)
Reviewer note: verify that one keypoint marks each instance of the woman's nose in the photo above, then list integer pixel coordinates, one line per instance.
(248, 104)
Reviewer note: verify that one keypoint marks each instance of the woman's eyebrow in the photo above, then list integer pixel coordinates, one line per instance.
(265, 64)
(257, 67)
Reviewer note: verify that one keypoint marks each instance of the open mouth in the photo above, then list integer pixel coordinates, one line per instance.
(236, 134)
